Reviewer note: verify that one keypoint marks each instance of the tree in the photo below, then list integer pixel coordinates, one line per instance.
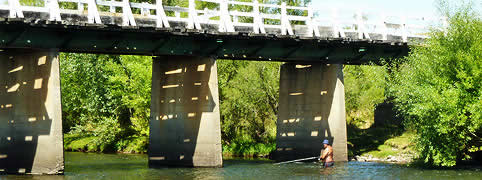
(106, 97)
(249, 103)
(364, 88)
(438, 89)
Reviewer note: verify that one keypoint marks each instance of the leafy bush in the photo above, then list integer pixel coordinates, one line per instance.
(438, 89)
(106, 98)
(364, 89)
(249, 103)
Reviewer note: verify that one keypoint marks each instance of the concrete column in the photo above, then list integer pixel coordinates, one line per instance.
(185, 125)
(31, 139)
(312, 108)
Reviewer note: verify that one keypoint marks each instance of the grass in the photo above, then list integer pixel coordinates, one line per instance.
(82, 143)
(248, 149)
(383, 151)
(395, 146)
(75, 142)
(403, 142)
(379, 142)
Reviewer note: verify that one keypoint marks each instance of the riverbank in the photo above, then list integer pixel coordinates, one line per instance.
(386, 144)
(138, 145)
(83, 143)
(383, 144)
(248, 149)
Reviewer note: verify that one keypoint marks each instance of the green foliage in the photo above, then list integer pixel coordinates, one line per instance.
(363, 141)
(106, 97)
(78, 143)
(244, 146)
(84, 96)
(438, 89)
(32, 3)
(395, 146)
(364, 89)
(249, 101)
(133, 144)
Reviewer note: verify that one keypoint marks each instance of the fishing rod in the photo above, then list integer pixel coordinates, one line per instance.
(304, 159)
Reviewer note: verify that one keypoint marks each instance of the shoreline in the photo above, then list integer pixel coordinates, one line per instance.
(401, 159)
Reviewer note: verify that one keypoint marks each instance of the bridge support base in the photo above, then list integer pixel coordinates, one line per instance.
(312, 108)
(31, 140)
(185, 121)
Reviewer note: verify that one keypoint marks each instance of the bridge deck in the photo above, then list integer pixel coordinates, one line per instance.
(230, 30)
(142, 40)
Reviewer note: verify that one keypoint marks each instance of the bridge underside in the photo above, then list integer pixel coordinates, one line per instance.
(92, 38)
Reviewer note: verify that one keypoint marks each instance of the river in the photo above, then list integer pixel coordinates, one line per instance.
(134, 166)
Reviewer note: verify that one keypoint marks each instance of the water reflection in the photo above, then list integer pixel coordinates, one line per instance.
(123, 166)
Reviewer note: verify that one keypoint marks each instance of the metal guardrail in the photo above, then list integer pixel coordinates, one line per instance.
(227, 18)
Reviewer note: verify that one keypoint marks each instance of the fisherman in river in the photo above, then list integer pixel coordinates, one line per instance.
(327, 154)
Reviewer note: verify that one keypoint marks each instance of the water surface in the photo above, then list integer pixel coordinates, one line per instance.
(128, 166)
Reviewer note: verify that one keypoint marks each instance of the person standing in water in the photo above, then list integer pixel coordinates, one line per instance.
(327, 154)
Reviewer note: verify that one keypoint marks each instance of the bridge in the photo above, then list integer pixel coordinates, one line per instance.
(186, 41)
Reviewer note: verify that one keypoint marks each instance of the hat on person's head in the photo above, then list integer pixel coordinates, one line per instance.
(325, 141)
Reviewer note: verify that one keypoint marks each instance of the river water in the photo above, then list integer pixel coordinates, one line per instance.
(129, 166)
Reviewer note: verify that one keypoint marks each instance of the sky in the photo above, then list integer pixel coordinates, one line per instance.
(423, 8)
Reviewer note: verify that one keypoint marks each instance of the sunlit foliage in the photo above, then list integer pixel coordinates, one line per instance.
(107, 97)
(438, 89)
(364, 88)
(249, 104)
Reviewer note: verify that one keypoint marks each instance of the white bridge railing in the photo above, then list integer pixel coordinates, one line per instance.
(256, 16)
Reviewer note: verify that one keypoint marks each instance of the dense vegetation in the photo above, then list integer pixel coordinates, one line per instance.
(249, 106)
(438, 90)
(365, 87)
(106, 99)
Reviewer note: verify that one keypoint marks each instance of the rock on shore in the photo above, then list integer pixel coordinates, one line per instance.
(399, 159)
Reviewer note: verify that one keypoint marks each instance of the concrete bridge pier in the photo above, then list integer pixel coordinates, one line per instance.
(185, 125)
(312, 108)
(31, 140)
